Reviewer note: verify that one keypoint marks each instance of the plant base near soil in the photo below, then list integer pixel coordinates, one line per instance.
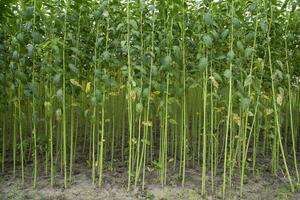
(157, 99)
(262, 186)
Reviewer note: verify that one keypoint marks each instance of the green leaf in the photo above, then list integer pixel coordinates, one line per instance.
(208, 19)
(15, 54)
(207, 40)
(28, 13)
(240, 46)
(245, 102)
(236, 22)
(29, 50)
(37, 38)
(139, 107)
(20, 37)
(203, 63)
(73, 68)
(120, 26)
(248, 52)
(106, 55)
(230, 55)
(105, 13)
(264, 27)
(194, 85)
(133, 23)
(55, 49)
(248, 81)
(167, 61)
(59, 94)
(227, 73)
(225, 34)
(94, 101)
(146, 92)
(217, 76)
(75, 50)
(57, 78)
(280, 64)
(21, 76)
(278, 75)
(154, 70)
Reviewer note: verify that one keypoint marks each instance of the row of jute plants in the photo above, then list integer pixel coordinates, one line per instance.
(169, 85)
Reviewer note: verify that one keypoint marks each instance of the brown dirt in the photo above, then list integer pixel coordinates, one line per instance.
(262, 186)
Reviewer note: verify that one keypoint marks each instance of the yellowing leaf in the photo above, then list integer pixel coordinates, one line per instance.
(133, 95)
(148, 123)
(113, 93)
(75, 104)
(279, 99)
(268, 111)
(47, 104)
(134, 141)
(214, 82)
(265, 97)
(172, 121)
(237, 119)
(150, 169)
(58, 113)
(155, 93)
(74, 82)
(88, 87)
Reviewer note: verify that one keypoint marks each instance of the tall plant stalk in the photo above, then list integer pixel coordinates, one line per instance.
(290, 99)
(129, 94)
(34, 112)
(64, 110)
(277, 123)
(229, 111)
(184, 139)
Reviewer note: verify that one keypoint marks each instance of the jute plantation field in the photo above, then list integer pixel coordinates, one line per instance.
(149, 99)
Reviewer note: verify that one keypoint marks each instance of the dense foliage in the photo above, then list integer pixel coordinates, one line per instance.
(167, 84)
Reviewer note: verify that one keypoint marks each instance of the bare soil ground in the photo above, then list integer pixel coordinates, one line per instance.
(262, 186)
